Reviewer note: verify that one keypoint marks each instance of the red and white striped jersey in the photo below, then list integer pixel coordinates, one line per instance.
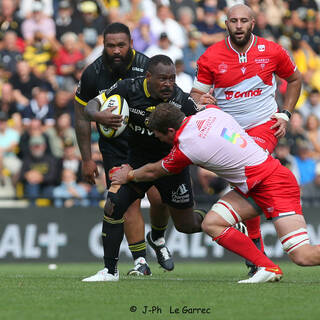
(244, 83)
(212, 139)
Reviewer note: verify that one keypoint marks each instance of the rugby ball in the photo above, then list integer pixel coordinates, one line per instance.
(122, 108)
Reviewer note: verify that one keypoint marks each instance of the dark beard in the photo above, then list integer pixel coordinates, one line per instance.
(118, 69)
(243, 42)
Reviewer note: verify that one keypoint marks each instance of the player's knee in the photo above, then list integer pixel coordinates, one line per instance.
(296, 244)
(114, 207)
(187, 227)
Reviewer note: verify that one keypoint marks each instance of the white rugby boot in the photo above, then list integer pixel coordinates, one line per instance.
(102, 275)
(265, 274)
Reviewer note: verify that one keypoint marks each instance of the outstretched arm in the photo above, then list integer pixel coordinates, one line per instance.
(148, 172)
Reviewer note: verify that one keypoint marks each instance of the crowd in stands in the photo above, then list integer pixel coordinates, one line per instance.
(45, 45)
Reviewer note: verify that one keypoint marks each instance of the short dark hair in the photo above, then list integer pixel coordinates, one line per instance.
(159, 58)
(165, 116)
(116, 27)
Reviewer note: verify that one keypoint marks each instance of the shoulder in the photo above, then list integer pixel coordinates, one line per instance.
(141, 59)
(95, 67)
(215, 50)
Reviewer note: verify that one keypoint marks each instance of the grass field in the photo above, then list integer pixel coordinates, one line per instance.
(32, 291)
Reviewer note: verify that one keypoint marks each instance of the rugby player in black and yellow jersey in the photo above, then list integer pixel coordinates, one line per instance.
(118, 61)
(143, 94)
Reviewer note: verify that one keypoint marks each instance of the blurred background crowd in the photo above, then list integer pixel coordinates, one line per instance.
(45, 45)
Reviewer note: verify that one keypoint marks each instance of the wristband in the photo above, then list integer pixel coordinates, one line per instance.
(130, 176)
(287, 112)
(281, 116)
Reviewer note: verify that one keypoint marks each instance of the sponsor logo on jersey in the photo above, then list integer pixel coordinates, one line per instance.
(175, 104)
(244, 94)
(140, 130)
(138, 111)
(204, 126)
(261, 47)
(181, 195)
(151, 109)
(262, 60)
(233, 137)
(137, 69)
(223, 68)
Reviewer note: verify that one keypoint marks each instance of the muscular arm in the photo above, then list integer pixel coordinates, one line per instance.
(83, 133)
(148, 172)
(290, 99)
(293, 91)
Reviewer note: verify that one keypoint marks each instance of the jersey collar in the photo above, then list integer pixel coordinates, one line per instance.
(242, 56)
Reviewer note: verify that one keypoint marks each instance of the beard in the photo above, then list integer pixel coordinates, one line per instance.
(118, 68)
(244, 41)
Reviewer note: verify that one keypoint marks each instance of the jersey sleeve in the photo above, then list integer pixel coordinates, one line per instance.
(204, 77)
(86, 89)
(189, 107)
(175, 161)
(285, 66)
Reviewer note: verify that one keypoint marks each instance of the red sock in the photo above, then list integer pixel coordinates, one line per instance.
(253, 226)
(239, 243)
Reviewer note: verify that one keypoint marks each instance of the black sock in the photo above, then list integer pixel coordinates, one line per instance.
(138, 249)
(112, 235)
(157, 232)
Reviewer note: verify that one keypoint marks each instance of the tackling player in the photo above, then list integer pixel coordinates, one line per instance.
(223, 147)
(117, 61)
(142, 95)
(243, 69)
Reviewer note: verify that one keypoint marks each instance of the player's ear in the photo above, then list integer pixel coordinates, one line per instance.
(148, 75)
(131, 43)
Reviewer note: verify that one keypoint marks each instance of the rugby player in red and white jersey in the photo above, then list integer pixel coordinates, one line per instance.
(223, 147)
(242, 70)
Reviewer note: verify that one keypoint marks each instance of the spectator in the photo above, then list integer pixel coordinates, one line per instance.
(63, 133)
(38, 22)
(67, 57)
(186, 19)
(23, 82)
(9, 139)
(39, 108)
(312, 105)
(282, 153)
(183, 80)
(39, 53)
(262, 27)
(7, 101)
(26, 7)
(10, 53)
(313, 135)
(66, 20)
(165, 47)
(9, 19)
(295, 133)
(91, 25)
(209, 28)
(300, 9)
(34, 129)
(192, 51)
(163, 23)
(69, 193)
(63, 104)
(40, 171)
(142, 36)
(306, 164)
(311, 34)
(176, 5)
(311, 191)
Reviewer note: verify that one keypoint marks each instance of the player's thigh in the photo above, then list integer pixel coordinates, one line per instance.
(185, 220)
(287, 224)
(154, 197)
(133, 214)
(112, 157)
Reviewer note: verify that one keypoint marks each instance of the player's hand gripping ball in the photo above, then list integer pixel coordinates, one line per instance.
(122, 109)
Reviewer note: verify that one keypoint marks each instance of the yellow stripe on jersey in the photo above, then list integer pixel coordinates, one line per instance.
(80, 101)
